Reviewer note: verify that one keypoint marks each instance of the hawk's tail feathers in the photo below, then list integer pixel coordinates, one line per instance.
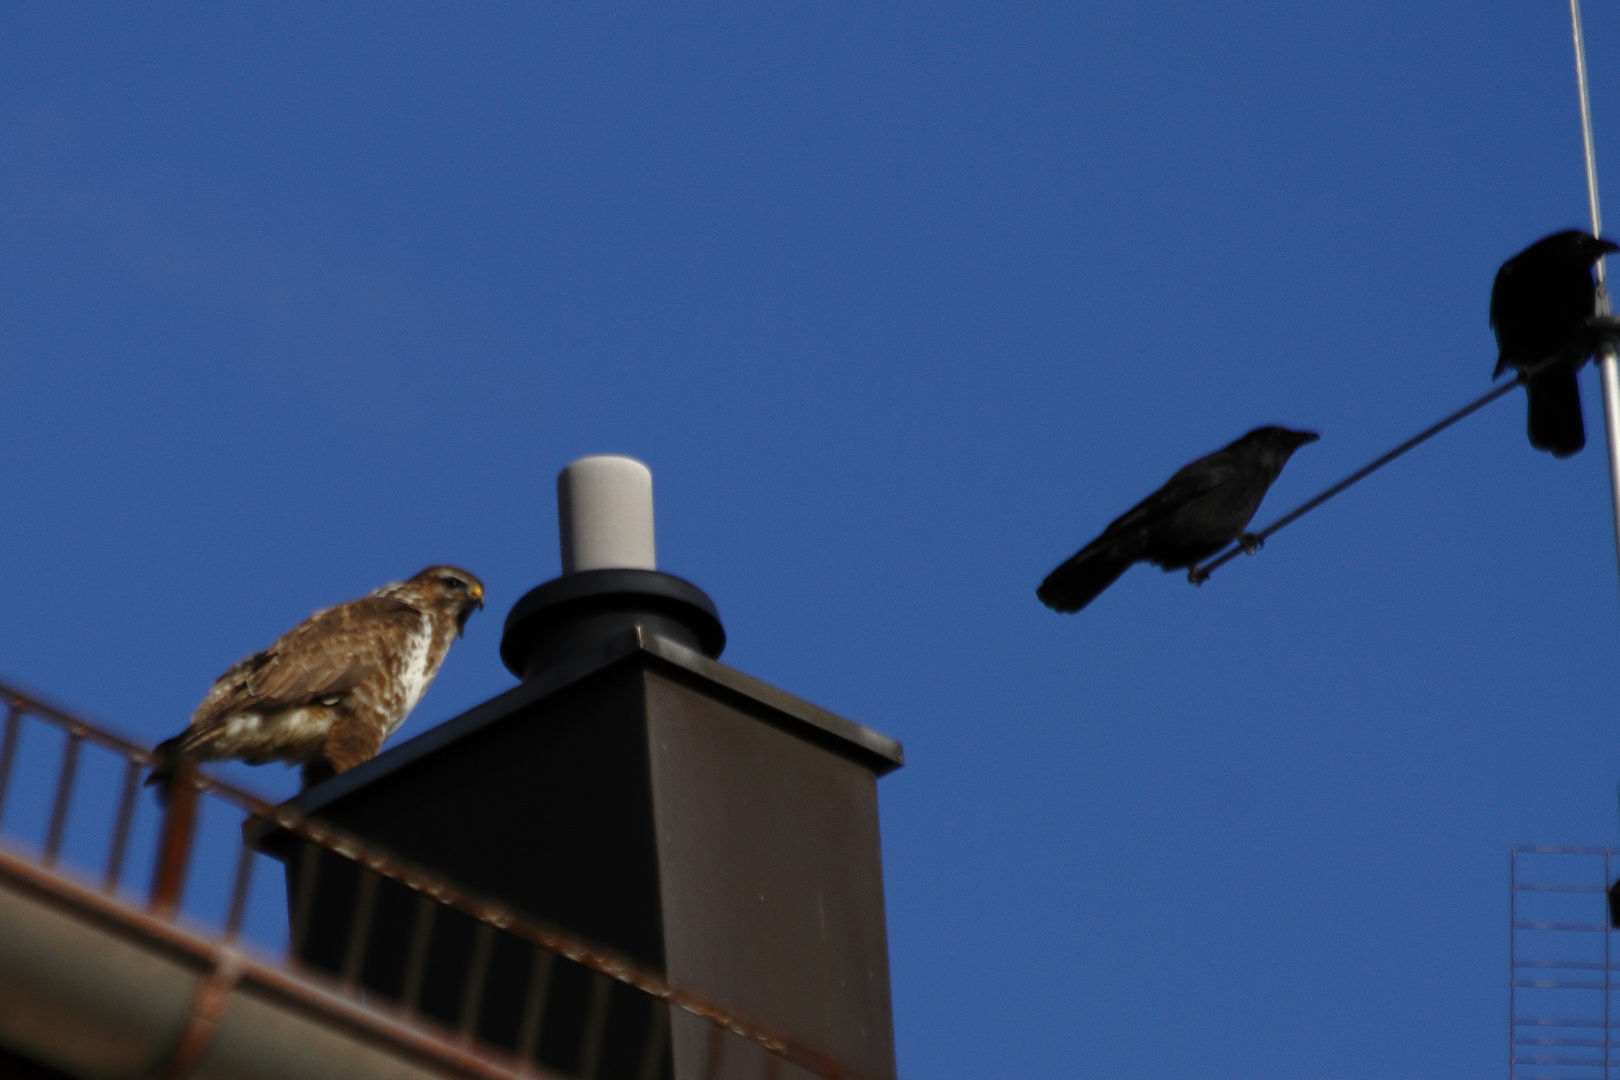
(1077, 582)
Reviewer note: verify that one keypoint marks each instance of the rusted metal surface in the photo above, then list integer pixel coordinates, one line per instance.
(64, 798)
(595, 1027)
(239, 893)
(472, 992)
(207, 1009)
(360, 930)
(8, 750)
(18, 703)
(174, 849)
(302, 992)
(411, 1033)
(416, 956)
(126, 819)
(596, 959)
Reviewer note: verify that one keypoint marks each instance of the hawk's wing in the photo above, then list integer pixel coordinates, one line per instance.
(327, 654)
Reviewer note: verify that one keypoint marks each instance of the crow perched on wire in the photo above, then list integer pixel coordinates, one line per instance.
(1539, 307)
(1197, 512)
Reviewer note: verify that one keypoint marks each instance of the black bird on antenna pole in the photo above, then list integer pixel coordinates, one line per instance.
(1198, 511)
(1540, 305)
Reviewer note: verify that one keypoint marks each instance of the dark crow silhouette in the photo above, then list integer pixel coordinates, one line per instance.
(1200, 510)
(1539, 307)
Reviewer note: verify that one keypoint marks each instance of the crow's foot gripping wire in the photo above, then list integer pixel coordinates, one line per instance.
(1249, 543)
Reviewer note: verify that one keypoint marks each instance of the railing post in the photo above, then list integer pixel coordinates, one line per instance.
(174, 846)
(8, 749)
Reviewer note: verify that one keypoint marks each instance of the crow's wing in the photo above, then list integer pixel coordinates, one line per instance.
(1097, 565)
(1192, 481)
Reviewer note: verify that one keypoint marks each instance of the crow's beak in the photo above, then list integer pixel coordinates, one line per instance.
(1604, 246)
(1303, 437)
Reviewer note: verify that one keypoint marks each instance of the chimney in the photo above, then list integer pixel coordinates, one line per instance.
(635, 792)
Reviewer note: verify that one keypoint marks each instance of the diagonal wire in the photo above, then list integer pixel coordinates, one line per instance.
(1608, 367)
(1199, 574)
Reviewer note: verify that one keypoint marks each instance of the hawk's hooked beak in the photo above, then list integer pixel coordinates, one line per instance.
(467, 609)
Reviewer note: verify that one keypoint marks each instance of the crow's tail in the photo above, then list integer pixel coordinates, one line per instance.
(1555, 411)
(1077, 582)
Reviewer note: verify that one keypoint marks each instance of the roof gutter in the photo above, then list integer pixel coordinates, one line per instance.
(100, 990)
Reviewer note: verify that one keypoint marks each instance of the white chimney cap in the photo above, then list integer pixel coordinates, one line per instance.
(605, 515)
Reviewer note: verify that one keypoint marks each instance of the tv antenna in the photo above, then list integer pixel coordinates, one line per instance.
(1608, 361)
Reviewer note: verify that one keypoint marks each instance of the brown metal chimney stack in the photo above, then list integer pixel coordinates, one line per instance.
(637, 793)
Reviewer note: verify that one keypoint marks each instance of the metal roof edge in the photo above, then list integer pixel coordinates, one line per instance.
(890, 752)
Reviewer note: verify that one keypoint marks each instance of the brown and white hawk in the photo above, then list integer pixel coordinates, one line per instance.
(332, 688)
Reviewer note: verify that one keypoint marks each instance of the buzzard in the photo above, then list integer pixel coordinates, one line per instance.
(332, 688)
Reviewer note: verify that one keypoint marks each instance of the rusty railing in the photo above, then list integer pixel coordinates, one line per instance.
(481, 985)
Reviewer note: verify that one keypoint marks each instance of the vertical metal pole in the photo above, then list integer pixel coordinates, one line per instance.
(1608, 363)
(237, 910)
(590, 1056)
(653, 1057)
(64, 798)
(303, 906)
(716, 1048)
(416, 954)
(174, 847)
(1586, 119)
(354, 956)
(472, 991)
(534, 1005)
(8, 749)
(126, 819)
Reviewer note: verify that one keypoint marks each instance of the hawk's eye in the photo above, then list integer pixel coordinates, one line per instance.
(452, 583)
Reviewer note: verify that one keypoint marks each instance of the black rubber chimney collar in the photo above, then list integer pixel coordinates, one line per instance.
(572, 613)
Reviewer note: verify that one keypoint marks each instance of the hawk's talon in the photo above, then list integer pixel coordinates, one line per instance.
(1250, 543)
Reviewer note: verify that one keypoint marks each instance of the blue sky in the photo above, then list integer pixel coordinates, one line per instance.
(902, 304)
